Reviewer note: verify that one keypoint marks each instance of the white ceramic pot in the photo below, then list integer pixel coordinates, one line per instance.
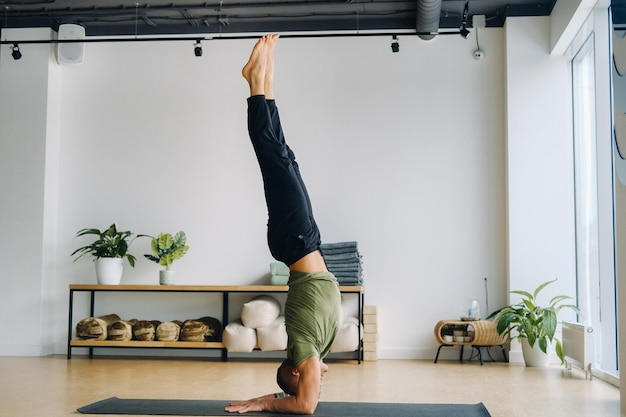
(166, 277)
(534, 356)
(109, 270)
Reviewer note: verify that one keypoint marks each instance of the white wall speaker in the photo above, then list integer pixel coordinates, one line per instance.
(72, 52)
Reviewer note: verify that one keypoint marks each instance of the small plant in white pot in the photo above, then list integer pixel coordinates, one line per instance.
(109, 250)
(533, 325)
(165, 250)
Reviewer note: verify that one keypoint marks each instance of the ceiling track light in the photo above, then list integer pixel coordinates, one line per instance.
(463, 31)
(395, 45)
(197, 40)
(197, 50)
(15, 52)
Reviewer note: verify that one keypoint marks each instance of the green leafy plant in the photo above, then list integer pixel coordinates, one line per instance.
(110, 243)
(530, 321)
(167, 248)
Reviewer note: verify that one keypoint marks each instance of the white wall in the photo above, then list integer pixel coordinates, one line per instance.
(28, 137)
(404, 153)
(540, 190)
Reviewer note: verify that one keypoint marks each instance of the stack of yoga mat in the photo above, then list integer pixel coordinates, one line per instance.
(344, 261)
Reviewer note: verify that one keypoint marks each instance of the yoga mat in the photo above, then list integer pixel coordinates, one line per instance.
(213, 408)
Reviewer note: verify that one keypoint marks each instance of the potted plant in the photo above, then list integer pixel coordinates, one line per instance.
(165, 250)
(109, 249)
(534, 325)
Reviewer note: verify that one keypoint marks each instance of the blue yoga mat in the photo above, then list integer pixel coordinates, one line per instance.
(213, 408)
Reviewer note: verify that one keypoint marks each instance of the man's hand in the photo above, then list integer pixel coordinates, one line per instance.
(255, 404)
(303, 402)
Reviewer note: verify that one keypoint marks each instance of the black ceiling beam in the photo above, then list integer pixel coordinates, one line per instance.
(221, 37)
(537, 9)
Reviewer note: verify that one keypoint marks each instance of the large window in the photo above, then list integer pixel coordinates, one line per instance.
(596, 290)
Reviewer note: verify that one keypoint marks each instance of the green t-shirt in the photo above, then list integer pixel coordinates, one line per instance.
(312, 313)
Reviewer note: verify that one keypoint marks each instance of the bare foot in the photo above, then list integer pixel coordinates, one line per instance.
(269, 68)
(254, 70)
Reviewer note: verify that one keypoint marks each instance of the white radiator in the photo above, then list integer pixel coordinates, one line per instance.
(578, 346)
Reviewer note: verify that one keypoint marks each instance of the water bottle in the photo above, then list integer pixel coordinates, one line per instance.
(474, 310)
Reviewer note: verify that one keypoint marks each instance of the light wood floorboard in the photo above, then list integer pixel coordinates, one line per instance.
(53, 386)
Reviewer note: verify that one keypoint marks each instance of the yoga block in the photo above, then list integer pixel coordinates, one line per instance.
(370, 328)
(370, 356)
(279, 280)
(370, 310)
(370, 319)
(370, 337)
(279, 268)
(370, 347)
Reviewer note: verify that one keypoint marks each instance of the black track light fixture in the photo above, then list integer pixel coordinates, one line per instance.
(395, 45)
(15, 52)
(463, 31)
(197, 50)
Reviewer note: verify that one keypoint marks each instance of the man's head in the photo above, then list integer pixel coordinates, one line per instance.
(287, 377)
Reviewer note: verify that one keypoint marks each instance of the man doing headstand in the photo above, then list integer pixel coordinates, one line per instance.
(313, 302)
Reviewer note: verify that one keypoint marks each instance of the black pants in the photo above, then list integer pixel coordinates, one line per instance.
(291, 229)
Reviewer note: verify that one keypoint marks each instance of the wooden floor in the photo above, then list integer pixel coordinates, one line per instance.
(53, 386)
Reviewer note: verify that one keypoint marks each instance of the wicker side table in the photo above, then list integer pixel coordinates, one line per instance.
(478, 334)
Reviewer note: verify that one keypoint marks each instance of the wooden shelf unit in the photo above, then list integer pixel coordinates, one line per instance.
(225, 290)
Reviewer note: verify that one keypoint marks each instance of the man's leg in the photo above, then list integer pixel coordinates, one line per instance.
(270, 55)
(271, 41)
(254, 70)
(292, 233)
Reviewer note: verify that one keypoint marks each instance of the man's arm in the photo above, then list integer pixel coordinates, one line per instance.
(303, 402)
